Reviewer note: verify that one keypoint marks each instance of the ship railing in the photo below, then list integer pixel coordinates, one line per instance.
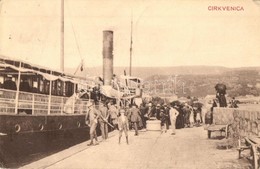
(127, 89)
(131, 90)
(34, 103)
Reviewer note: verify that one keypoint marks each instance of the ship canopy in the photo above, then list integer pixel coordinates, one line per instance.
(127, 88)
(10, 66)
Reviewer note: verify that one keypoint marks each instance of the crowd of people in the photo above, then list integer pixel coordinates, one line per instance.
(134, 117)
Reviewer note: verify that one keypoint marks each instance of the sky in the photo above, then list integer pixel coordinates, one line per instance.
(165, 32)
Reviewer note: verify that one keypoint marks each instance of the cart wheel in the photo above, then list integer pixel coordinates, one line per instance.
(255, 156)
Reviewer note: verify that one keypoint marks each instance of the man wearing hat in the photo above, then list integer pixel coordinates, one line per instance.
(9, 84)
(135, 117)
(156, 111)
(103, 121)
(113, 112)
(150, 110)
(167, 115)
(91, 120)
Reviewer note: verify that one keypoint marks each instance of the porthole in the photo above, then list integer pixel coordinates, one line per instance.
(17, 128)
(41, 127)
(59, 126)
(78, 124)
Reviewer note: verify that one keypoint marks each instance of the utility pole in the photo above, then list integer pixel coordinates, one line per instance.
(183, 87)
(131, 45)
(175, 84)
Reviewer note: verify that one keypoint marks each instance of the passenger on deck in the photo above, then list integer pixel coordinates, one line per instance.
(9, 84)
(70, 102)
(24, 85)
(114, 82)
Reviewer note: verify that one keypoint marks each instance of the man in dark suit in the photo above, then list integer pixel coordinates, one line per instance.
(9, 84)
(103, 121)
(24, 85)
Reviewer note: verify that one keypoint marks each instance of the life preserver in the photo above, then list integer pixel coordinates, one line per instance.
(17, 128)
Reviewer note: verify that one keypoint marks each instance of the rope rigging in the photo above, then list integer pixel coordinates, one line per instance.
(81, 66)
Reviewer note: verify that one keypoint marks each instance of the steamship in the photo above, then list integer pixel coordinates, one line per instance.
(43, 110)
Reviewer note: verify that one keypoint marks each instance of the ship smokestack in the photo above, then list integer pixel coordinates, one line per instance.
(107, 56)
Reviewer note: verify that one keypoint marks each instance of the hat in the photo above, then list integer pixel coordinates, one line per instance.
(158, 105)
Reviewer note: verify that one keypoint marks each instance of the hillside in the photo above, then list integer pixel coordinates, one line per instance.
(145, 72)
(191, 80)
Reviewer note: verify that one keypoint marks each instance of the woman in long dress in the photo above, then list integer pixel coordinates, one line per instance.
(180, 119)
(191, 117)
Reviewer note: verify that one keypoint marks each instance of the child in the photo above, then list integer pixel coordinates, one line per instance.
(208, 118)
(123, 125)
(163, 120)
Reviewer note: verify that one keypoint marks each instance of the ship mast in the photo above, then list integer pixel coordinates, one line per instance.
(62, 38)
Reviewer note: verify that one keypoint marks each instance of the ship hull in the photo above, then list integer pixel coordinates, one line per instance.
(25, 138)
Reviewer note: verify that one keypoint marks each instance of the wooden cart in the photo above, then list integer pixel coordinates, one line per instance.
(222, 119)
(219, 128)
(252, 144)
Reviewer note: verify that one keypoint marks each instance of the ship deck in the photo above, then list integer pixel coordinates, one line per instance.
(189, 148)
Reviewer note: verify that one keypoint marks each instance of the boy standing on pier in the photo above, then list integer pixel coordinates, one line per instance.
(123, 125)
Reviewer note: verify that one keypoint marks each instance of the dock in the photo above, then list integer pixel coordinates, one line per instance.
(189, 148)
